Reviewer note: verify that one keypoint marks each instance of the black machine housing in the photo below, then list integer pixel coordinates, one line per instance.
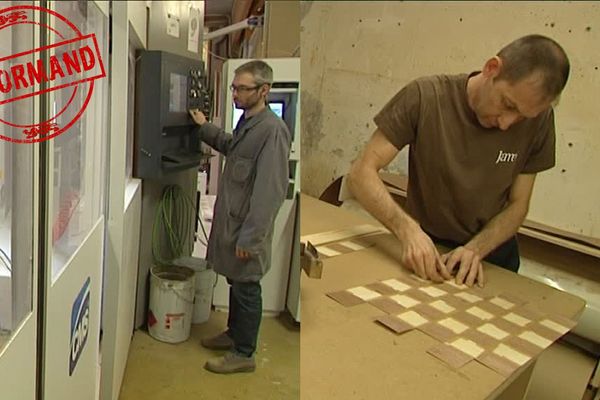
(167, 86)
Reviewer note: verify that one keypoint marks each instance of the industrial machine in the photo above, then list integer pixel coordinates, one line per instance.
(164, 136)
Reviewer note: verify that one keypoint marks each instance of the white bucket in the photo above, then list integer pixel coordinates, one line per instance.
(205, 281)
(171, 303)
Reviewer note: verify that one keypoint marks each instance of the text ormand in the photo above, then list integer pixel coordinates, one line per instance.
(70, 62)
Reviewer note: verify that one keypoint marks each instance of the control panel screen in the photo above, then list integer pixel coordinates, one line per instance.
(177, 93)
(275, 106)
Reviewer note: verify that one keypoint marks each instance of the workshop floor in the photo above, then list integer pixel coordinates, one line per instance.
(562, 372)
(157, 371)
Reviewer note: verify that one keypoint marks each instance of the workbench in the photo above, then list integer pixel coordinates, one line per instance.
(346, 355)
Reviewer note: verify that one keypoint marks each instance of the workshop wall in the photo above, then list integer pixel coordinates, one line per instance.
(283, 29)
(280, 35)
(357, 55)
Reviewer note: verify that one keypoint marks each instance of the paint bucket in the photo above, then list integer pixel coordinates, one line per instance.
(171, 303)
(205, 283)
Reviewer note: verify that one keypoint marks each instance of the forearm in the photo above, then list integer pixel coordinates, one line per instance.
(215, 137)
(369, 190)
(499, 229)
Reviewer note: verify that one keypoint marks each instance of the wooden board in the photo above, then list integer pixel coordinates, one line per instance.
(397, 181)
(337, 235)
(569, 244)
(346, 355)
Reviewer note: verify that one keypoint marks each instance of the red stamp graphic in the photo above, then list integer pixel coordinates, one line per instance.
(66, 68)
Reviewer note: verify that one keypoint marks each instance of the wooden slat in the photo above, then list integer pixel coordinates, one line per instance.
(562, 233)
(395, 180)
(318, 239)
(569, 244)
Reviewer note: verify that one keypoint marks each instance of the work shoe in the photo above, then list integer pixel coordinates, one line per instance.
(230, 363)
(220, 342)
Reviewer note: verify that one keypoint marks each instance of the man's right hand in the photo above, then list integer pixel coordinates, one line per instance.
(418, 251)
(420, 254)
(198, 117)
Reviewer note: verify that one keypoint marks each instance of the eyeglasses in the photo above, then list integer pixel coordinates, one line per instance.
(241, 89)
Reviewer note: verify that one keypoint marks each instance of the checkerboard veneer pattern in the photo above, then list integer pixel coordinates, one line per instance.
(345, 246)
(342, 241)
(498, 330)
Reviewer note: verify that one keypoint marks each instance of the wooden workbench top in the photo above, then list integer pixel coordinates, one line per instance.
(345, 355)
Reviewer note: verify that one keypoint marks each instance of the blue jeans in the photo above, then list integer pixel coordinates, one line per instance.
(506, 255)
(245, 313)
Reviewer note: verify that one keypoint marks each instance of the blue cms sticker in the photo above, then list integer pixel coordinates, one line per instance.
(80, 325)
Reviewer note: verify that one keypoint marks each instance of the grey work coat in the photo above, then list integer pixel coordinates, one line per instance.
(251, 190)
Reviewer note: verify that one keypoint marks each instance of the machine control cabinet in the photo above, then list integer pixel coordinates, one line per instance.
(167, 86)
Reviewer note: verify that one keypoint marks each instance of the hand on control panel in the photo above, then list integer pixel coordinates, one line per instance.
(198, 116)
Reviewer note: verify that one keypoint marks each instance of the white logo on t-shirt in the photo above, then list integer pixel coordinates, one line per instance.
(506, 157)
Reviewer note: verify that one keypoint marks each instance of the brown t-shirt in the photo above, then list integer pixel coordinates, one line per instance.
(460, 174)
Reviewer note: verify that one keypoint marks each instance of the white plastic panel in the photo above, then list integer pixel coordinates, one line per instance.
(72, 335)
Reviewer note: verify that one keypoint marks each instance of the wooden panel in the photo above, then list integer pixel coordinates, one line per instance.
(346, 355)
(337, 235)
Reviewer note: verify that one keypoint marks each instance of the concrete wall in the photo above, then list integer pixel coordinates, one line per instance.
(357, 55)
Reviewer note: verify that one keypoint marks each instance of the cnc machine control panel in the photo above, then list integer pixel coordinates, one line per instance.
(198, 95)
(167, 87)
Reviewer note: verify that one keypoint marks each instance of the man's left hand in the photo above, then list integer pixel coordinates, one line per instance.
(468, 262)
(241, 253)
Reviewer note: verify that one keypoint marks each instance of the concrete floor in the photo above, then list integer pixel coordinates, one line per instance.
(157, 371)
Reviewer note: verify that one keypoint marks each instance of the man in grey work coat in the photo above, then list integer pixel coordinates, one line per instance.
(251, 190)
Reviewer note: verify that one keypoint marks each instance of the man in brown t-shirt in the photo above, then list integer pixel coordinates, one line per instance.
(476, 143)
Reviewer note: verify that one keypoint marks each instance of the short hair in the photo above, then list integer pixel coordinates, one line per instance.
(536, 53)
(260, 71)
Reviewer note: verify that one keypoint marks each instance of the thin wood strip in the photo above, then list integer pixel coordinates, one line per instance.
(499, 364)
(483, 340)
(394, 323)
(339, 248)
(528, 311)
(450, 355)
(582, 248)
(345, 298)
(327, 252)
(381, 288)
(468, 319)
(387, 305)
(437, 331)
(342, 234)
(431, 313)
(523, 346)
(594, 241)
